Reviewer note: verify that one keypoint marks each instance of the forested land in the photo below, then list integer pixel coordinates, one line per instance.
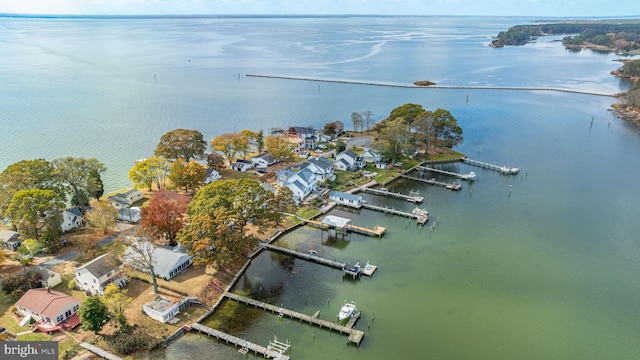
(622, 36)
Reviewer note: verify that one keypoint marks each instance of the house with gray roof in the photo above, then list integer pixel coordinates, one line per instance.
(301, 183)
(321, 167)
(95, 275)
(167, 261)
(125, 200)
(348, 160)
(343, 198)
(71, 219)
(10, 239)
(264, 160)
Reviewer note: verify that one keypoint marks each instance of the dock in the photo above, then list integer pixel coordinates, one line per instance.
(416, 199)
(470, 176)
(451, 186)
(506, 170)
(355, 335)
(411, 215)
(243, 343)
(305, 256)
(102, 353)
(376, 231)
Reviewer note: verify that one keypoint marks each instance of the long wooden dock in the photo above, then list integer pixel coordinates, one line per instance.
(392, 211)
(470, 176)
(308, 257)
(410, 198)
(502, 169)
(355, 335)
(376, 231)
(243, 343)
(451, 186)
(102, 353)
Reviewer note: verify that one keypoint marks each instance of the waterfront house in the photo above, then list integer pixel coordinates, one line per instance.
(48, 277)
(130, 215)
(125, 200)
(348, 160)
(49, 306)
(264, 160)
(167, 261)
(321, 167)
(10, 239)
(164, 309)
(241, 165)
(303, 137)
(94, 276)
(371, 156)
(71, 219)
(351, 200)
(301, 183)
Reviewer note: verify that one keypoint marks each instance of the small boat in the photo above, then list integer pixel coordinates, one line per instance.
(454, 186)
(312, 252)
(347, 311)
(354, 270)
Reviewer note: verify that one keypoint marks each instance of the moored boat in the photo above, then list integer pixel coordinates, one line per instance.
(347, 311)
(353, 270)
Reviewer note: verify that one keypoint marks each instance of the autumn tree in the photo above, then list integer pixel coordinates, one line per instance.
(27, 250)
(116, 300)
(79, 175)
(176, 174)
(245, 141)
(220, 214)
(150, 172)
(215, 161)
(330, 129)
(165, 214)
(138, 252)
(26, 175)
(280, 148)
(32, 211)
(226, 145)
(102, 215)
(181, 144)
(194, 176)
(94, 314)
(394, 140)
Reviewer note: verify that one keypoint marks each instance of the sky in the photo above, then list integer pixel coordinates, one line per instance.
(539, 8)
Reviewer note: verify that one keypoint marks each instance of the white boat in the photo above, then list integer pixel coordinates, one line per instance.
(354, 270)
(347, 311)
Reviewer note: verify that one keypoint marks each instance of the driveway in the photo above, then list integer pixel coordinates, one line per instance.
(61, 259)
(359, 141)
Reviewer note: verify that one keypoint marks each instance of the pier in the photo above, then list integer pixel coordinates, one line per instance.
(502, 169)
(412, 215)
(245, 345)
(347, 227)
(470, 176)
(355, 335)
(308, 257)
(383, 192)
(451, 186)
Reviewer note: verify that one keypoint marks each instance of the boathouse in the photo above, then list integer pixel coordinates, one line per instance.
(347, 199)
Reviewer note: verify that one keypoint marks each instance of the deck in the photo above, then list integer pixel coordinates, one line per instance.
(451, 186)
(393, 211)
(416, 199)
(243, 343)
(376, 231)
(355, 335)
(470, 176)
(506, 170)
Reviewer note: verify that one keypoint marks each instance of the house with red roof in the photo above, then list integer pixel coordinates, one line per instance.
(52, 310)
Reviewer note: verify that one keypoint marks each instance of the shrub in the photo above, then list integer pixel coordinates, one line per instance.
(18, 284)
(128, 342)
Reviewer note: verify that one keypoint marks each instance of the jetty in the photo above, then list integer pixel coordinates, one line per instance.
(420, 219)
(245, 345)
(102, 353)
(451, 186)
(344, 225)
(416, 199)
(469, 177)
(305, 256)
(502, 169)
(355, 335)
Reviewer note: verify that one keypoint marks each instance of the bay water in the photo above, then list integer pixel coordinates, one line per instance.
(542, 265)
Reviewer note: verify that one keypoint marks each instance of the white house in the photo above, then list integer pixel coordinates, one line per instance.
(349, 161)
(321, 167)
(131, 215)
(94, 276)
(371, 156)
(125, 199)
(71, 219)
(301, 183)
(303, 138)
(167, 262)
(48, 277)
(163, 309)
(347, 199)
(264, 160)
(50, 306)
(10, 239)
(212, 175)
(241, 165)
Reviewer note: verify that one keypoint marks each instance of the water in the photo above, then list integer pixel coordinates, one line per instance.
(546, 271)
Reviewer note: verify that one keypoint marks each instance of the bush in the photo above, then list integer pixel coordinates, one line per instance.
(128, 342)
(18, 284)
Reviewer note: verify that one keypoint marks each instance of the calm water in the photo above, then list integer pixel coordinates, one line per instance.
(547, 271)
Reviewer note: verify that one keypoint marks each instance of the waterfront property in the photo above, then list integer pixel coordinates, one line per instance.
(348, 160)
(264, 160)
(301, 183)
(49, 307)
(347, 199)
(95, 275)
(126, 199)
(164, 309)
(167, 261)
(71, 219)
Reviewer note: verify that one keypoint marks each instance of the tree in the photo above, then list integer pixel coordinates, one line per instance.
(25, 175)
(139, 254)
(408, 112)
(244, 142)
(423, 126)
(94, 314)
(102, 215)
(32, 211)
(176, 173)
(280, 148)
(215, 161)
(225, 144)
(194, 176)
(117, 301)
(259, 139)
(330, 129)
(27, 250)
(446, 129)
(394, 140)
(367, 117)
(181, 144)
(356, 120)
(79, 175)
(149, 172)
(165, 214)
(220, 214)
